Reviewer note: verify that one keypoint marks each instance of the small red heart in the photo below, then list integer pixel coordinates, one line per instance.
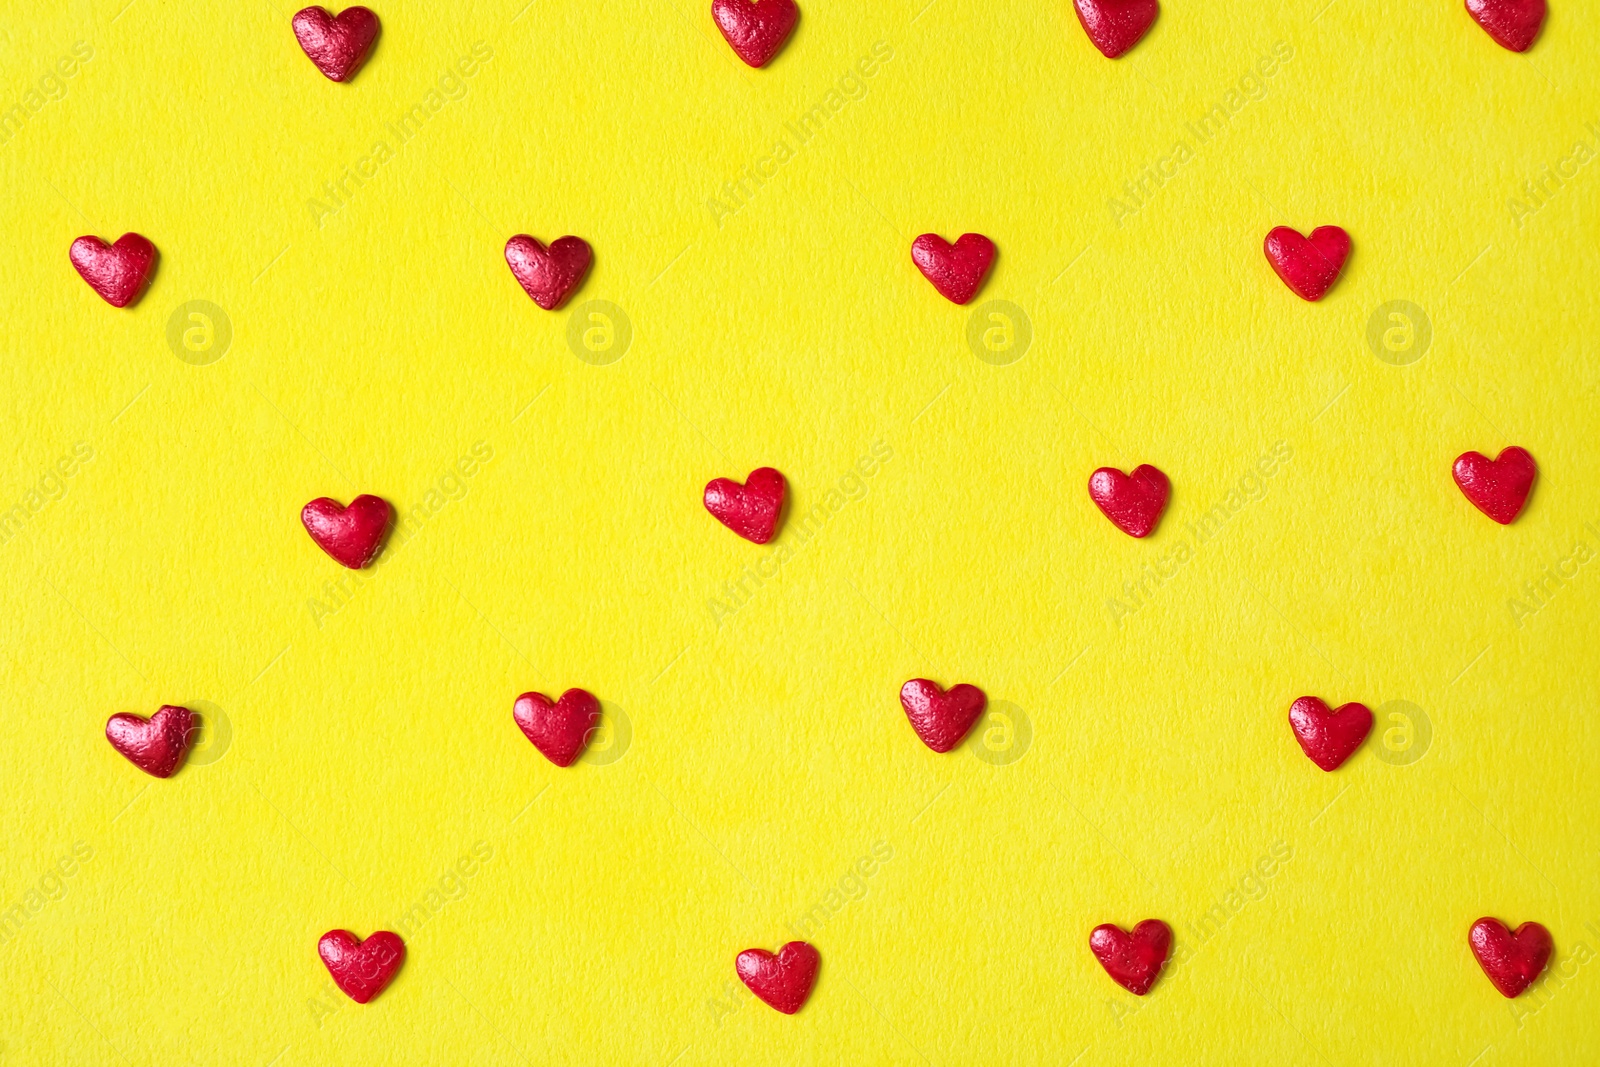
(756, 29)
(956, 270)
(549, 275)
(1498, 487)
(1329, 737)
(361, 968)
(338, 46)
(784, 981)
(117, 272)
(1512, 23)
(1116, 25)
(1133, 503)
(1512, 961)
(561, 728)
(155, 745)
(1133, 961)
(941, 719)
(1309, 267)
(750, 510)
(352, 535)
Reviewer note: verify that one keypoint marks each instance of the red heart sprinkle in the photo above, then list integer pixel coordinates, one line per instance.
(361, 968)
(750, 510)
(1133, 503)
(1512, 961)
(941, 719)
(1133, 961)
(117, 272)
(1499, 487)
(956, 270)
(338, 46)
(352, 535)
(1513, 23)
(549, 275)
(155, 745)
(559, 729)
(1329, 737)
(1116, 25)
(784, 981)
(1309, 267)
(756, 29)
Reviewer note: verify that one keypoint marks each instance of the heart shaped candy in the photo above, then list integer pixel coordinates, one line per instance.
(956, 270)
(338, 46)
(117, 272)
(1329, 737)
(1116, 25)
(755, 29)
(560, 728)
(361, 968)
(155, 745)
(1133, 502)
(750, 510)
(549, 275)
(1133, 960)
(1311, 265)
(352, 535)
(1514, 24)
(784, 980)
(1498, 487)
(1513, 961)
(941, 718)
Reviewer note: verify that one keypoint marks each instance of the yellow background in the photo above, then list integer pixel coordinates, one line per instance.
(1145, 767)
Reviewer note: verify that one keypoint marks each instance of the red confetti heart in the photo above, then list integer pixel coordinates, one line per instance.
(1133, 961)
(755, 29)
(1133, 503)
(549, 275)
(338, 46)
(155, 745)
(561, 728)
(784, 981)
(117, 272)
(1512, 961)
(361, 968)
(956, 270)
(1498, 487)
(1512, 23)
(941, 719)
(1116, 25)
(1309, 267)
(1329, 737)
(750, 510)
(352, 535)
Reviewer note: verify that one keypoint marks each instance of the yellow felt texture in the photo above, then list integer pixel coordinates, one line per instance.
(753, 303)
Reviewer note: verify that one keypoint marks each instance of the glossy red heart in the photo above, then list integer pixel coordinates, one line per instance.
(1116, 25)
(338, 46)
(755, 29)
(549, 275)
(117, 272)
(784, 981)
(956, 270)
(1133, 503)
(1512, 961)
(558, 728)
(1498, 487)
(750, 510)
(1309, 266)
(1329, 737)
(155, 745)
(361, 968)
(941, 718)
(1133, 961)
(1512, 23)
(352, 535)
